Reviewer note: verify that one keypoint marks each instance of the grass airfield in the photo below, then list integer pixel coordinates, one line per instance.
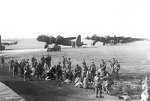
(134, 59)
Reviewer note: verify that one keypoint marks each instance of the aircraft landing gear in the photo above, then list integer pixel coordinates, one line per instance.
(46, 46)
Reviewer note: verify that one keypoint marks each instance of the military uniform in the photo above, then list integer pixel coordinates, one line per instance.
(84, 71)
(69, 64)
(64, 62)
(11, 65)
(59, 72)
(2, 61)
(116, 69)
(104, 76)
(39, 70)
(27, 71)
(15, 68)
(33, 60)
(93, 70)
(98, 85)
(78, 71)
(43, 61)
(48, 61)
(22, 65)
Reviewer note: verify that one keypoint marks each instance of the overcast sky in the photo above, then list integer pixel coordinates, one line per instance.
(30, 18)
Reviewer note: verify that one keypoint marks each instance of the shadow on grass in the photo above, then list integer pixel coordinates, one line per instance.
(39, 91)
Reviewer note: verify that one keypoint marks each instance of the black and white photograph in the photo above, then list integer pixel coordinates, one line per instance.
(74, 50)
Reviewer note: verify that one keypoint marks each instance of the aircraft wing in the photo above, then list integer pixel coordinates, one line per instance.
(5, 42)
(70, 38)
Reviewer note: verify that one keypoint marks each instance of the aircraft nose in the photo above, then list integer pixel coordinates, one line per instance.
(38, 38)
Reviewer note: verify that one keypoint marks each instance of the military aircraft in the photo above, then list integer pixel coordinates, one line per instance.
(59, 40)
(3, 43)
(112, 40)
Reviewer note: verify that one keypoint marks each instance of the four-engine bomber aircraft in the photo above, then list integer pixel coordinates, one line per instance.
(59, 40)
(113, 40)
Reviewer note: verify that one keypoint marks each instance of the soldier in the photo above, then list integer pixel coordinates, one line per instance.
(33, 60)
(48, 61)
(113, 63)
(78, 71)
(35, 63)
(117, 68)
(59, 72)
(111, 66)
(11, 61)
(98, 85)
(84, 63)
(27, 70)
(69, 64)
(93, 70)
(22, 65)
(69, 75)
(84, 71)
(39, 70)
(15, 68)
(64, 61)
(103, 64)
(2, 61)
(43, 60)
(104, 76)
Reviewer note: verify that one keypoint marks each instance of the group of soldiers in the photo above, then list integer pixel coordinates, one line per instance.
(63, 71)
(100, 77)
(26, 70)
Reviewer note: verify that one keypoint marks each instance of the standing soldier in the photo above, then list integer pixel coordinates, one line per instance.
(98, 85)
(69, 64)
(33, 60)
(84, 63)
(39, 70)
(34, 64)
(22, 65)
(48, 61)
(59, 72)
(111, 66)
(103, 64)
(64, 62)
(43, 61)
(15, 68)
(104, 76)
(114, 63)
(2, 61)
(93, 70)
(117, 68)
(27, 70)
(84, 70)
(11, 61)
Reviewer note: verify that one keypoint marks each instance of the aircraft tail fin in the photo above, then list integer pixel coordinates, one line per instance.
(78, 41)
